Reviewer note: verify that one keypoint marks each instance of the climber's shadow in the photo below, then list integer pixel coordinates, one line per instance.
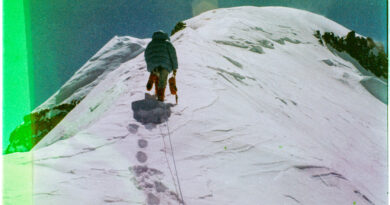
(151, 111)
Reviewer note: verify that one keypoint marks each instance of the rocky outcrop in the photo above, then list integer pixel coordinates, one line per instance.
(35, 126)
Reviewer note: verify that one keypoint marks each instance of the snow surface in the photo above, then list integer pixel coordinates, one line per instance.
(266, 115)
(117, 51)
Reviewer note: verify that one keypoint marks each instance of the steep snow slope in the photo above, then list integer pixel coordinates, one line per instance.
(266, 115)
(45, 117)
(117, 51)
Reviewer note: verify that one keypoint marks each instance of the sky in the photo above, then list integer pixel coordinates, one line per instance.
(63, 35)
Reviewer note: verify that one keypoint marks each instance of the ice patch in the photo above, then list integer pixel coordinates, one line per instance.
(376, 87)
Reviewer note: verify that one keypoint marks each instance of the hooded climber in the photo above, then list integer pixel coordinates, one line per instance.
(160, 57)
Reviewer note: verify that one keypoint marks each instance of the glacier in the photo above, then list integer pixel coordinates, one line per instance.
(266, 115)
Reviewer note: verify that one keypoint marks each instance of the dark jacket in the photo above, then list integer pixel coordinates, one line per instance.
(160, 52)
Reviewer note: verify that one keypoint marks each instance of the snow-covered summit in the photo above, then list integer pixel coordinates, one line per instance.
(117, 51)
(46, 116)
(273, 23)
(266, 115)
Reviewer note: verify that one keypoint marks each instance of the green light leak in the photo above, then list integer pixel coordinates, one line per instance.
(17, 98)
(200, 6)
(17, 77)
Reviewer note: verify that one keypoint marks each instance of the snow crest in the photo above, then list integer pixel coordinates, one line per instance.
(117, 51)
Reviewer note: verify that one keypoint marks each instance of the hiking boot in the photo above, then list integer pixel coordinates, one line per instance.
(172, 85)
(152, 80)
(161, 94)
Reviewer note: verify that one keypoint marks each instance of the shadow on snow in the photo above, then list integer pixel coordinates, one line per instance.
(151, 111)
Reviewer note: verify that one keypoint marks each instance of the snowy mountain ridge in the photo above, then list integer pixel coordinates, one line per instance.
(45, 117)
(117, 51)
(266, 115)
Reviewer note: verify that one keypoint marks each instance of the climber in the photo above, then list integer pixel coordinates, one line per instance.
(160, 57)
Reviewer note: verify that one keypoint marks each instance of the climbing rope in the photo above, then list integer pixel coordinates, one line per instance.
(178, 186)
(166, 157)
(174, 163)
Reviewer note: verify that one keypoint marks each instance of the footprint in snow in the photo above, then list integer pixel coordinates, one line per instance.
(141, 157)
(132, 128)
(144, 170)
(152, 199)
(149, 180)
(142, 143)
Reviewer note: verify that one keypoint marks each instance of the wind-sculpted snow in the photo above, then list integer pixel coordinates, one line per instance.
(117, 51)
(376, 87)
(290, 125)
